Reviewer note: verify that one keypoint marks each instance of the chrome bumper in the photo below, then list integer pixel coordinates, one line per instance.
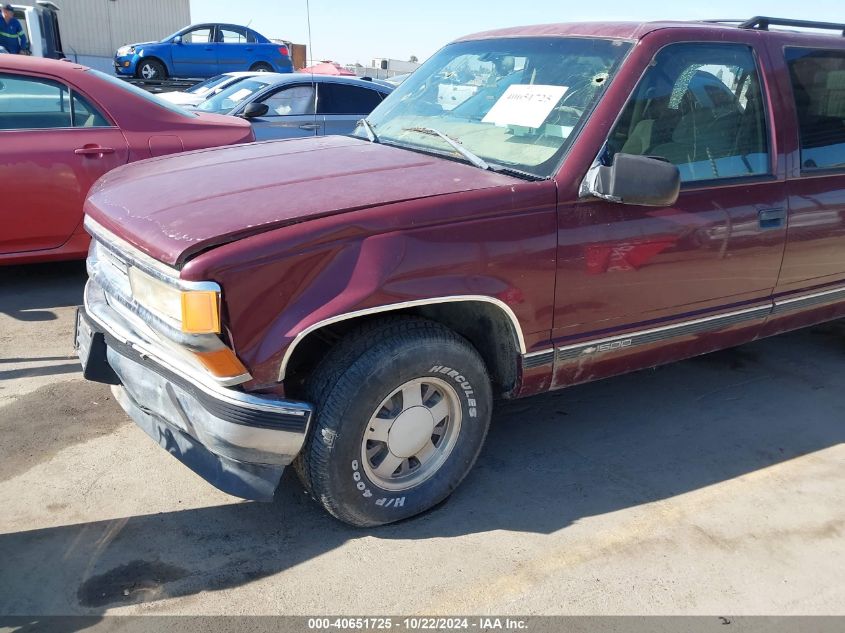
(237, 441)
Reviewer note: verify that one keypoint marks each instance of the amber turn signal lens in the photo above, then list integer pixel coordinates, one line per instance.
(222, 363)
(199, 312)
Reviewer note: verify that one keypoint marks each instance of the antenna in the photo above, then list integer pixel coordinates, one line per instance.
(311, 50)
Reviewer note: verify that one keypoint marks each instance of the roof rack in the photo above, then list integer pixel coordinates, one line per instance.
(762, 23)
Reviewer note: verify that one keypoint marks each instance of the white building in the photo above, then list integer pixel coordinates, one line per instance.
(396, 66)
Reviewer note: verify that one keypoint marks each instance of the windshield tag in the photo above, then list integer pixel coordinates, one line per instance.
(240, 94)
(526, 105)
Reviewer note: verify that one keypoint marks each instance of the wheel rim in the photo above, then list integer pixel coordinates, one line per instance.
(411, 434)
(148, 71)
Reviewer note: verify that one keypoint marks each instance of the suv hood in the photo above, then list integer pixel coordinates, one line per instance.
(174, 207)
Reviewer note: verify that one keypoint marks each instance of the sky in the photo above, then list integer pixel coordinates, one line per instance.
(350, 31)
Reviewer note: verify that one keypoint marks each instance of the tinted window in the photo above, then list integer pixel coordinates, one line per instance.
(700, 107)
(29, 103)
(295, 100)
(818, 85)
(344, 99)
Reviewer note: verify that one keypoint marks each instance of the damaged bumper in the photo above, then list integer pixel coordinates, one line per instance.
(237, 441)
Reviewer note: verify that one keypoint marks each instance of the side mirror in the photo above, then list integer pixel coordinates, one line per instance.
(254, 110)
(177, 39)
(640, 180)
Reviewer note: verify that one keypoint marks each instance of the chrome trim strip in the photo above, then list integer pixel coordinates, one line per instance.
(542, 351)
(538, 359)
(399, 306)
(630, 339)
(795, 303)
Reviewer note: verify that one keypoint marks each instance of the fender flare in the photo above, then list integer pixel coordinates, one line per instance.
(392, 307)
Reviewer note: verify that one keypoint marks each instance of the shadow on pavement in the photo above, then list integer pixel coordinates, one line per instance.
(548, 462)
(28, 293)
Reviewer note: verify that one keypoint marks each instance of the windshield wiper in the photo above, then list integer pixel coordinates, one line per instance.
(510, 171)
(368, 128)
(463, 151)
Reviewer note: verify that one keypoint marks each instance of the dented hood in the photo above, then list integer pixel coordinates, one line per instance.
(176, 206)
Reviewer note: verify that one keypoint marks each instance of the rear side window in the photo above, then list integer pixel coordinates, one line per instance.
(818, 86)
(86, 115)
(700, 107)
(231, 35)
(345, 99)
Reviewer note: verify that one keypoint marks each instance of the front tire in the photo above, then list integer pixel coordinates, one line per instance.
(151, 69)
(403, 407)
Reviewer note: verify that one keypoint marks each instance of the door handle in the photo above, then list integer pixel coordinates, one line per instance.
(309, 126)
(209, 48)
(771, 218)
(93, 150)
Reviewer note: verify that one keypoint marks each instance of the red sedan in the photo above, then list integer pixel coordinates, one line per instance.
(62, 126)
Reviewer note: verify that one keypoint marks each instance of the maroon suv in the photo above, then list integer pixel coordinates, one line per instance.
(532, 209)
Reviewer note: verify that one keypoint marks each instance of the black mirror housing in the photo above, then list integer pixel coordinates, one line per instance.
(254, 110)
(639, 180)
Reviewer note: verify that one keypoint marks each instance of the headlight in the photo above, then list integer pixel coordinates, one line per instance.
(193, 311)
(125, 50)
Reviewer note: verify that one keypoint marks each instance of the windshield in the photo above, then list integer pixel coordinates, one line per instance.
(204, 87)
(232, 95)
(138, 92)
(515, 103)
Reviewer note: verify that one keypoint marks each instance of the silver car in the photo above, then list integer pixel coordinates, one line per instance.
(298, 104)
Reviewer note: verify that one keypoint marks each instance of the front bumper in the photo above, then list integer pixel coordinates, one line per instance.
(238, 442)
(125, 64)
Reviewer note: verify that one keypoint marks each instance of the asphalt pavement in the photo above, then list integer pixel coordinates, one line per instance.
(712, 486)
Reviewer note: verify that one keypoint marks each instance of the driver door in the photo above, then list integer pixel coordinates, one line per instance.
(291, 114)
(638, 280)
(196, 55)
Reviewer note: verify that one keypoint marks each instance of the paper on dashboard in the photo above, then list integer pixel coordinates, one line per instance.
(526, 105)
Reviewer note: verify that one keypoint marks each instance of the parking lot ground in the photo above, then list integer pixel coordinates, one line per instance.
(712, 486)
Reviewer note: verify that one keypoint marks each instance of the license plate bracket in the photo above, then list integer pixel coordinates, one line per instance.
(90, 347)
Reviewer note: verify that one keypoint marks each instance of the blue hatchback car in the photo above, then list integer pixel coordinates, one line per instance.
(203, 50)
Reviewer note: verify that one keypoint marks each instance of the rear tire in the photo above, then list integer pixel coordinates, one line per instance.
(151, 69)
(402, 409)
(261, 67)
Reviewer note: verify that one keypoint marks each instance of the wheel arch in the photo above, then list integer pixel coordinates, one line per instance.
(261, 62)
(489, 324)
(154, 58)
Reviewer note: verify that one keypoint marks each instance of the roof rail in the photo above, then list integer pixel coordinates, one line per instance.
(762, 23)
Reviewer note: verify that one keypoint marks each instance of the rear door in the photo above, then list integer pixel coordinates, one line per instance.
(815, 250)
(291, 113)
(641, 285)
(340, 106)
(196, 55)
(54, 143)
(234, 51)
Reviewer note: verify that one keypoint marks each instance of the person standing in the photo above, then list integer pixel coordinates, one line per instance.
(12, 35)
